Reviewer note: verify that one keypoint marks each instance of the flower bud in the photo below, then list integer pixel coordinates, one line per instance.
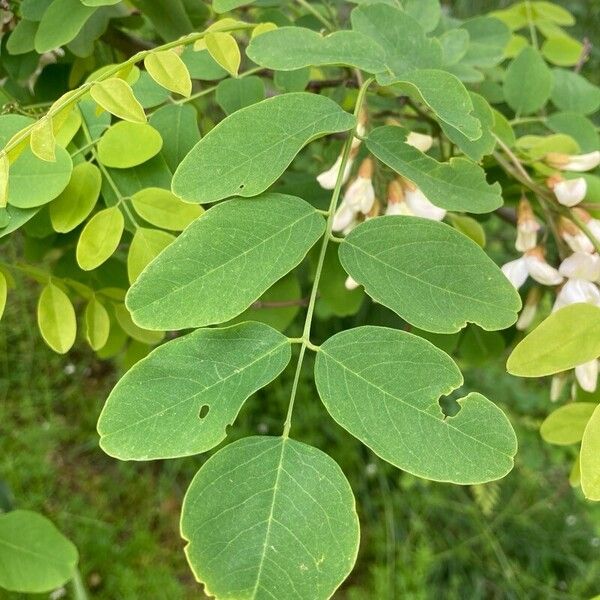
(419, 204)
(396, 205)
(350, 283)
(360, 194)
(327, 179)
(587, 376)
(420, 141)
(527, 227)
(529, 310)
(569, 192)
(574, 237)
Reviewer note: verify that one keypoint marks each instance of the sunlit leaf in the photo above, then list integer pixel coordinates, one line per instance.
(163, 209)
(146, 245)
(280, 516)
(167, 69)
(97, 324)
(100, 238)
(567, 338)
(124, 145)
(566, 425)
(56, 319)
(180, 399)
(61, 23)
(590, 457)
(224, 49)
(42, 140)
(3, 292)
(116, 96)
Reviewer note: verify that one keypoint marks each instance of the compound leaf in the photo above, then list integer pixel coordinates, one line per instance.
(246, 152)
(456, 185)
(428, 273)
(224, 261)
(179, 400)
(270, 517)
(383, 386)
(35, 557)
(567, 338)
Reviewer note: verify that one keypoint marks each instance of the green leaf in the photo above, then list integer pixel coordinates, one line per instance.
(116, 96)
(60, 24)
(292, 81)
(197, 280)
(35, 557)
(429, 274)
(3, 292)
(484, 145)
(132, 330)
(148, 92)
(180, 399)
(56, 319)
(456, 185)
(305, 48)
(470, 227)
(34, 182)
(575, 93)
(100, 238)
(563, 50)
(97, 324)
(399, 416)
(42, 140)
(234, 94)
(528, 82)
(488, 38)
(426, 12)
(224, 49)
(246, 152)
(445, 95)
(78, 199)
(567, 338)
(167, 69)
(221, 6)
(552, 12)
(566, 425)
(21, 40)
(279, 515)
(402, 38)
(590, 458)
(146, 245)
(455, 43)
(163, 209)
(580, 128)
(125, 145)
(99, 2)
(178, 127)
(4, 180)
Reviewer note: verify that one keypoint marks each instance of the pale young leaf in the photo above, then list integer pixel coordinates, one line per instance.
(168, 70)
(42, 140)
(116, 96)
(590, 457)
(146, 245)
(566, 424)
(100, 238)
(56, 319)
(97, 324)
(224, 49)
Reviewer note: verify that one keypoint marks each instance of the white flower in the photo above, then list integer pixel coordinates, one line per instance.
(419, 204)
(527, 227)
(581, 266)
(587, 375)
(578, 162)
(360, 194)
(396, 205)
(574, 237)
(327, 179)
(576, 291)
(532, 264)
(343, 218)
(529, 310)
(570, 191)
(420, 141)
(557, 385)
(350, 283)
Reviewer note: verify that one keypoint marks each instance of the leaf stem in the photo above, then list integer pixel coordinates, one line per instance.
(306, 343)
(311, 9)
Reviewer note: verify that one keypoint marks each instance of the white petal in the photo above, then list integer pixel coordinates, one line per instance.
(421, 206)
(571, 191)
(542, 272)
(526, 240)
(350, 283)
(583, 162)
(578, 242)
(587, 375)
(581, 266)
(526, 317)
(516, 271)
(327, 179)
(556, 386)
(577, 290)
(360, 195)
(343, 217)
(420, 141)
(398, 208)
(594, 227)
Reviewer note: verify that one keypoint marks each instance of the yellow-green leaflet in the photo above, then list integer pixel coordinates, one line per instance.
(590, 457)
(168, 70)
(164, 209)
(78, 199)
(42, 140)
(4, 169)
(567, 338)
(125, 145)
(224, 49)
(116, 96)
(56, 319)
(566, 425)
(97, 324)
(146, 245)
(100, 238)
(131, 329)
(3, 292)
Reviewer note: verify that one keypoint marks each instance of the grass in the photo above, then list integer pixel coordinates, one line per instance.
(527, 536)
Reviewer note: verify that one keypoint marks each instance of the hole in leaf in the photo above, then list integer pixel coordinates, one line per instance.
(241, 186)
(203, 411)
(449, 405)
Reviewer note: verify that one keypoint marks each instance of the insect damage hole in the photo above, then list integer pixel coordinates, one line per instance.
(203, 411)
